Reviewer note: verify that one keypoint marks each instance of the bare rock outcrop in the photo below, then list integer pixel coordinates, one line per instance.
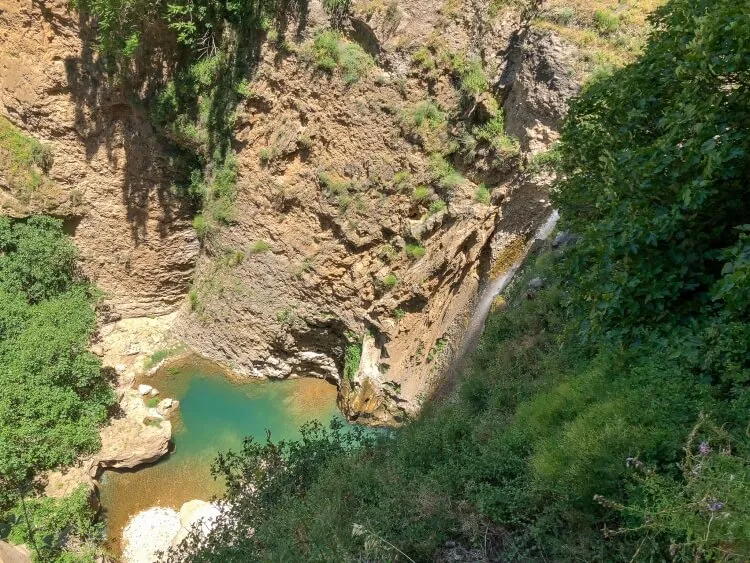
(328, 242)
(536, 84)
(333, 237)
(14, 553)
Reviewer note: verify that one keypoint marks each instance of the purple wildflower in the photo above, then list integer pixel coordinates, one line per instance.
(704, 448)
(715, 505)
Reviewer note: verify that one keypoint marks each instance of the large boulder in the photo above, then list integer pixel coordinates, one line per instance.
(13, 553)
(149, 532)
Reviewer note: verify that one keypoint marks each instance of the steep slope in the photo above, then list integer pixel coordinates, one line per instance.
(110, 177)
(351, 230)
(371, 200)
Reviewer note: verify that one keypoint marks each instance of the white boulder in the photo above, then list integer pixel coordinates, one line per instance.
(148, 533)
(144, 389)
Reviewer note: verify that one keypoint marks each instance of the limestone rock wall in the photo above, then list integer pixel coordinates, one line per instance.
(305, 270)
(112, 174)
(321, 281)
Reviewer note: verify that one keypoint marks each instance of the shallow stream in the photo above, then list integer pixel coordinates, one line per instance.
(215, 414)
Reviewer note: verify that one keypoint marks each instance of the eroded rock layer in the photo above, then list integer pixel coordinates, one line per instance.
(346, 232)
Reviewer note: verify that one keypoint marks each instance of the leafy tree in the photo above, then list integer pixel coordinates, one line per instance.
(656, 165)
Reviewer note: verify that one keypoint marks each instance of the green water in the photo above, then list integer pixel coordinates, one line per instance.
(215, 415)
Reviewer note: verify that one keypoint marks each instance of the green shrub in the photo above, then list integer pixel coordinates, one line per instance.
(152, 402)
(681, 232)
(399, 314)
(390, 280)
(493, 132)
(61, 529)
(334, 184)
(473, 79)
(330, 51)
(267, 154)
(351, 361)
(564, 15)
(606, 22)
(424, 59)
(24, 160)
(421, 193)
(482, 195)
(260, 246)
(354, 62)
(202, 227)
(160, 355)
(401, 179)
(427, 112)
(443, 172)
(437, 206)
(53, 396)
(193, 296)
(414, 251)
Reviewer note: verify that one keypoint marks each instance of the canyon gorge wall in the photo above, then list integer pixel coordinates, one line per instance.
(344, 231)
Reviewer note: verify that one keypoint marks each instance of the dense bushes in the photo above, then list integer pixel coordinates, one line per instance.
(656, 168)
(52, 394)
(604, 417)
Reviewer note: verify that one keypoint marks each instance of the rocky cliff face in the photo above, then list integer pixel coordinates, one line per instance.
(110, 178)
(322, 253)
(348, 230)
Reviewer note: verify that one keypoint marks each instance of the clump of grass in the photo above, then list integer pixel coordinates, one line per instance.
(152, 402)
(471, 73)
(545, 160)
(202, 226)
(352, 359)
(306, 142)
(268, 154)
(399, 314)
(606, 22)
(421, 193)
(193, 296)
(401, 179)
(222, 190)
(285, 316)
(161, 355)
(330, 51)
(245, 89)
(564, 15)
(439, 347)
(390, 280)
(436, 207)
(414, 251)
(427, 123)
(494, 133)
(24, 159)
(482, 195)
(155, 422)
(334, 184)
(305, 266)
(387, 253)
(429, 113)
(260, 246)
(423, 58)
(444, 173)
